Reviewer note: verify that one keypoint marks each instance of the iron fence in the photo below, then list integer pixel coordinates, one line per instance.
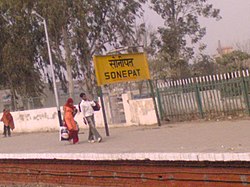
(205, 97)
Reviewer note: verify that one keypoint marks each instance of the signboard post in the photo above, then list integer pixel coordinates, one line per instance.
(117, 68)
(104, 112)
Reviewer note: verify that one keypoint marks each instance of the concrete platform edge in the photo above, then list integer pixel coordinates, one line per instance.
(133, 156)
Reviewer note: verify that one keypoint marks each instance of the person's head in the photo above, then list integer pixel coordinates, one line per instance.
(70, 101)
(6, 110)
(83, 96)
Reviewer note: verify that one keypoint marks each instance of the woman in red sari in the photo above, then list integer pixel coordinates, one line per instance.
(69, 112)
(8, 121)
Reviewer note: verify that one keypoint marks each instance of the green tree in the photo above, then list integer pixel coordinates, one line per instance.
(18, 51)
(233, 61)
(80, 29)
(60, 18)
(181, 31)
(105, 23)
(204, 65)
(77, 30)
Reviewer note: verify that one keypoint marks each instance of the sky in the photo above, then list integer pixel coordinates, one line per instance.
(234, 27)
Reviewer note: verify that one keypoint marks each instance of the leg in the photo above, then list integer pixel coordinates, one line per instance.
(70, 135)
(93, 120)
(91, 135)
(8, 128)
(5, 130)
(92, 128)
(75, 137)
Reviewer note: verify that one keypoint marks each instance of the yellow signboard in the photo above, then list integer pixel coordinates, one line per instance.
(121, 68)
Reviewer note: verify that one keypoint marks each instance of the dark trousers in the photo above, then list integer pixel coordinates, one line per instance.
(6, 129)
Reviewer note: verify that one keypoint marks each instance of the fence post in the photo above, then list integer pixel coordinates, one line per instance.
(159, 102)
(155, 105)
(198, 99)
(245, 93)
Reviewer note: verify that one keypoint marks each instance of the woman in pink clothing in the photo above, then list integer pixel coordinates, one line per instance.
(69, 112)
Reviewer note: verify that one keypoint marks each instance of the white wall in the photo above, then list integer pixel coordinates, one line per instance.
(35, 120)
(137, 112)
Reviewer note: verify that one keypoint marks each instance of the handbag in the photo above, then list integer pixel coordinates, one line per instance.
(64, 133)
(96, 107)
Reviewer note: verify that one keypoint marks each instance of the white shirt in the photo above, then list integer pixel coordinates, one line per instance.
(86, 108)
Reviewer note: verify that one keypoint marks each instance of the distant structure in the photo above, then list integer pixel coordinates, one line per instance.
(223, 50)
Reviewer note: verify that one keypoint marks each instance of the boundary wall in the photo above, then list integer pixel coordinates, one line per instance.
(137, 112)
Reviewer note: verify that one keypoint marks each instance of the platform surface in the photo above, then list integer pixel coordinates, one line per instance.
(194, 141)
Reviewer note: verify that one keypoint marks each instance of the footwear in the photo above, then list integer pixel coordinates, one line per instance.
(91, 141)
(99, 139)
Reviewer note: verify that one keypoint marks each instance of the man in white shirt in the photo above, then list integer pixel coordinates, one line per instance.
(88, 117)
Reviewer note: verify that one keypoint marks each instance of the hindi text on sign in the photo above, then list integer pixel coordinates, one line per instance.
(116, 63)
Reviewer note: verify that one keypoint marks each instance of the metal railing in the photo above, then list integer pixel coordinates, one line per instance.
(205, 97)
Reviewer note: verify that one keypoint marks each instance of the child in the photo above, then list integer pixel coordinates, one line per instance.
(8, 121)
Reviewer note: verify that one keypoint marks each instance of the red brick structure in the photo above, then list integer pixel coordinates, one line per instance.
(49, 172)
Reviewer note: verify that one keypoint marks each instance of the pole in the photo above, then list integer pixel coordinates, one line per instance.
(104, 112)
(51, 68)
(154, 101)
(53, 74)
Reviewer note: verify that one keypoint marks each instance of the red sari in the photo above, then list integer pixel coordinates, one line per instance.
(69, 120)
(8, 119)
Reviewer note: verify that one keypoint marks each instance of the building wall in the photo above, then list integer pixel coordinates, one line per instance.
(137, 112)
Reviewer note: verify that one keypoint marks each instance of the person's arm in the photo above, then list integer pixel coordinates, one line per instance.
(92, 103)
(83, 112)
(74, 111)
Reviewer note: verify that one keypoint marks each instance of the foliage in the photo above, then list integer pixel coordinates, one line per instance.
(233, 61)
(80, 29)
(203, 65)
(77, 30)
(181, 29)
(108, 23)
(86, 28)
(18, 50)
